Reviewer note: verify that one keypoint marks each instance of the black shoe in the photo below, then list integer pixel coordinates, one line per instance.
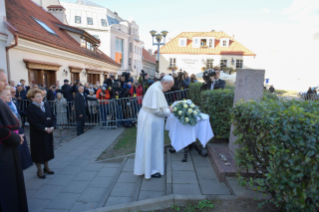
(172, 150)
(156, 175)
(41, 177)
(203, 153)
(45, 171)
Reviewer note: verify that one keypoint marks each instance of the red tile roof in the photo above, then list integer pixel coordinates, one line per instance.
(56, 6)
(148, 57)
(20, 14)
(234, 48)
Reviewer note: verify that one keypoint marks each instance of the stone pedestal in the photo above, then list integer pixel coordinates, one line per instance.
(249, 86)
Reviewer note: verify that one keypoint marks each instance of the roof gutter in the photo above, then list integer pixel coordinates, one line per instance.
(15, 44)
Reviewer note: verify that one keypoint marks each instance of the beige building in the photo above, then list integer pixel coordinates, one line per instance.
(195, 52)
(47, 50)
(3, 36)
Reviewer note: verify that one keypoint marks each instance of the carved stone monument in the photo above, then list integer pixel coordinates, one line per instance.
(249, 86)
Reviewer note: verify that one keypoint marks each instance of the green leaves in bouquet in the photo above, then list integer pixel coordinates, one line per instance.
(279, 141)
(183, 114)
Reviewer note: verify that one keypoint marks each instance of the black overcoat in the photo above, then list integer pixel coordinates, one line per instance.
(12, 188)
(80, 107)
(41, 142)
(220, 84)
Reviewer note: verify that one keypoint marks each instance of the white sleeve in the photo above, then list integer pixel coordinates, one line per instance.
(161, 112)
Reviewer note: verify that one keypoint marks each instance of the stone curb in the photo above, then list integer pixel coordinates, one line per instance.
(126, 156)
(160, 203)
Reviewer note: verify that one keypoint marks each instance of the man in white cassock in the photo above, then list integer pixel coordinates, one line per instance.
(149, 154)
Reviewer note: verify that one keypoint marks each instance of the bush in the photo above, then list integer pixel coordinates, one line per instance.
(217, 104)
(280, 141)
(194, 93)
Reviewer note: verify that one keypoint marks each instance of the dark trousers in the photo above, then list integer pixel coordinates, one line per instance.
(80, 124)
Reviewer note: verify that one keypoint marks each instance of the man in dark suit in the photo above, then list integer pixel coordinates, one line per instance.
(214, 82)
(80, 110)
(51, 95)
(67, 92)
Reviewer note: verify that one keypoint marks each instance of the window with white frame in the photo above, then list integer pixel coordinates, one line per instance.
(239, 63)
(182, 42)
(223, 63)
(48, 29)
(209, 63)
(224, 42)
(103, 22)
(172, 62)
(90, 21)
(210, 43)
(77, 19)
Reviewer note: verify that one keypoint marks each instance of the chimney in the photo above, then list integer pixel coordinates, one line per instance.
(115, 13)
(58, 11)
(150, 52)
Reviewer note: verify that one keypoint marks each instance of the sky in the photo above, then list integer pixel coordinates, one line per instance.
(279, 31)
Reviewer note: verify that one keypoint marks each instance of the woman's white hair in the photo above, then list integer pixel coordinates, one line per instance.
(167, 78)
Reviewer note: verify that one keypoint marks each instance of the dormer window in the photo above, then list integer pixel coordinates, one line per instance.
(183, 42)
(203, 42)
(87, 45)
(224, 42)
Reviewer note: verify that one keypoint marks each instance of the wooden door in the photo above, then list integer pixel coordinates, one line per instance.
(75, 76)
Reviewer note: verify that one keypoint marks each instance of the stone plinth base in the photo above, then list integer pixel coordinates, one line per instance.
(222, 171)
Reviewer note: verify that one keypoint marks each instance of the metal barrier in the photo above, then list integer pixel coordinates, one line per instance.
(107, 113)
(309, 97)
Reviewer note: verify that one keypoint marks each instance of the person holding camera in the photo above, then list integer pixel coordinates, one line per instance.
(136, 92)
(103, 95)
(110, 81)
(212, 81)
(193, 79)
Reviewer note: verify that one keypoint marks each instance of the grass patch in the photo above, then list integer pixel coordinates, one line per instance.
(125, 144)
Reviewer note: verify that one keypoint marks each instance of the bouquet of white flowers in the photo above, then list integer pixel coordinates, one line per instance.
(187, 112)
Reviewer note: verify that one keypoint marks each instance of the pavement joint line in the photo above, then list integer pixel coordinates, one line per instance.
(113, 183)
(231, 191)
(137, 189)
(195, 170)
(169, 185)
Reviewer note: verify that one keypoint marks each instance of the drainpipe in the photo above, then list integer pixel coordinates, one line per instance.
(7, 54)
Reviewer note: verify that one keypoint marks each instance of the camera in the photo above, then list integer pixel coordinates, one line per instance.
(208, 73)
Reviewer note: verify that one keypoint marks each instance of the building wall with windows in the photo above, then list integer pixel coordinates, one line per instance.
(118, 37)
(198, 51)
(3, 36)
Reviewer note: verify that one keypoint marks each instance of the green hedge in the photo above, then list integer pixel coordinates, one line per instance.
(194, 93)
(217, 104)
(280, 140)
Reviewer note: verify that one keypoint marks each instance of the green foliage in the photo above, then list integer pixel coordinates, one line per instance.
(217, 104)
(280, 140)
(267, 96)
(186, 112)
(175, 207)
(204, 204)
(194, 93)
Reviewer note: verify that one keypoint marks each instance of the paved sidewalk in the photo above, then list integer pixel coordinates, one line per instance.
(79, 183)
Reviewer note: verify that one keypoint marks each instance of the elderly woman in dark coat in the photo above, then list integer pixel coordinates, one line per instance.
(42, 123)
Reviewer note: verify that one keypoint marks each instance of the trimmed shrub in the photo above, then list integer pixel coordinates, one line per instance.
(194, 93)
(280, 141)
(217, 104)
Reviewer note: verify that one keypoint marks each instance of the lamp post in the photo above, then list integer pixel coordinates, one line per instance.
(158, 37)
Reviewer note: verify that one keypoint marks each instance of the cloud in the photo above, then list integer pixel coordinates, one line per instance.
(266, 10)
(303, 11)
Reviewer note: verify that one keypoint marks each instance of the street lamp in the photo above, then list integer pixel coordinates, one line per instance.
(159, 38)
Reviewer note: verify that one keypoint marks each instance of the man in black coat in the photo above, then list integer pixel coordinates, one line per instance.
(110, 80)
(214, 82)
(12, 188)
(67, 92)
(51, 95)
(80, 110)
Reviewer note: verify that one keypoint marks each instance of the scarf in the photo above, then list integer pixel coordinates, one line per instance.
(41, 105)
(13, 108)
(7, 119)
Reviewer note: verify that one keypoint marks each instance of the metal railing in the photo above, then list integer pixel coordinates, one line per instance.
(110, 113)
(309, 97)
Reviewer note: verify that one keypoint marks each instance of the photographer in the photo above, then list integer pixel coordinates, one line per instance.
(193, 79)
(110, 81)
(212, 81)
(136, 92)
(186, 80)
(144, 81)
(102, 95)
